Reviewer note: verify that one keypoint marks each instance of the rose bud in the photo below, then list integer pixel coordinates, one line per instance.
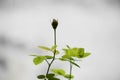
(54, 23)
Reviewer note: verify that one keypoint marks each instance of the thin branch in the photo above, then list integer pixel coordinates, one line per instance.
(54, 53)
(47, 61)
(70, 70)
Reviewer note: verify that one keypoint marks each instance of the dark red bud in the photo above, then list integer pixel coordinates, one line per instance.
(54, 23)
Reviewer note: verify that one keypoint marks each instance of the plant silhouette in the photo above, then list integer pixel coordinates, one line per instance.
(71, 55)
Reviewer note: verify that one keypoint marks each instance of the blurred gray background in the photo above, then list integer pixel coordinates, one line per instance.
(92, 24)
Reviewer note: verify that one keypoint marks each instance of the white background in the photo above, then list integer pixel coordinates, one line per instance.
(92, 24)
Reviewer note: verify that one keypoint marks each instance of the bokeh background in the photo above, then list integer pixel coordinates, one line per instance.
(92, 24)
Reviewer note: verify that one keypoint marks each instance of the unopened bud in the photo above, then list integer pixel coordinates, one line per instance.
(54, 23)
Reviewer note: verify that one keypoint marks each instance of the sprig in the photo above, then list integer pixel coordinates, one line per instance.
(71, 55)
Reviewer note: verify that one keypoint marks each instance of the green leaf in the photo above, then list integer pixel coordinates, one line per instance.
(86, 55)
(58, 71)
(51, 75)
(66, 59)
(65, 56)
(39, 59)
(68, 46)
(48, 57)
(80, 52)
(68, 54)
(41, 76)
(68, 76)
(53, 47)
(75, 64)
(73, 52)
(53, 79)
(63, 59)
(44, 48)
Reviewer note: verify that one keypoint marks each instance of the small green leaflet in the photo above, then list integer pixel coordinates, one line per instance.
(44, 48)
(69, 60)
(48, 57)
(53, 47)
(58, 71)
(68, 46)
(38, 59)
(53, 78)
(41, 76)
(66, 59)
(50, 75)
(63, 59)
(75, 64)
(86, 55)
(68, 76)
(80, 52)
(62, 73)
(57, 52)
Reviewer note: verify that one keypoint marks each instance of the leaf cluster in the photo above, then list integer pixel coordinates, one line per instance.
(70, 55)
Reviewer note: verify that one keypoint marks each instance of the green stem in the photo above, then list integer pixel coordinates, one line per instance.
(55, 37)
(70, 70)
(47, 61)
(49, 65)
